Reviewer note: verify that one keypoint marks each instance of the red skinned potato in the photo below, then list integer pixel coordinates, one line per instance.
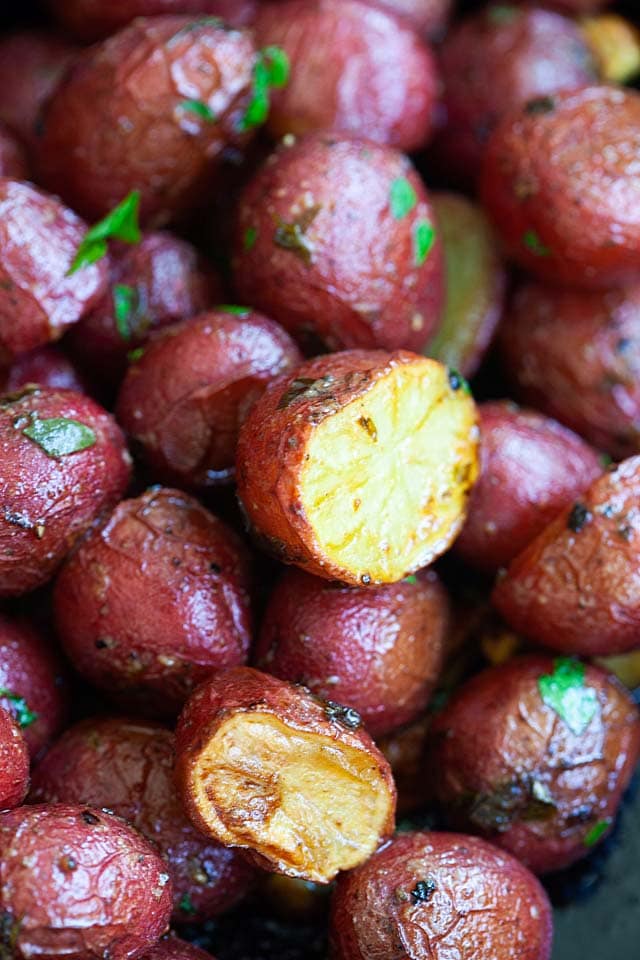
(475, 284)
(63, 464)
(33, 683)
(435, 896)
(173, 948)
(576, 356)
(559, 181)
(264, 765)
(152, 284)
(336, 240)
(428, 17)
(576, 587)
(494, 60)
(576, 6)
(185, 400)
(127, 766)
(96, 19)
(378, 650)
(79, 883)
(345, 57)
(405, 749)
(38, 297)
(148, 109)
(357, 466)
(47, 366)
(530, 468)
(155, 601)
(14, 763)
(13, 161)
(535, 755)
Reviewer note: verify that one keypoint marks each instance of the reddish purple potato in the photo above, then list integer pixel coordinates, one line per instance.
(173, 948)
(13, 160)
(47, 366)
(14, 763)
(155, 601)
(336, 240)
(184, 401)
(428, 17)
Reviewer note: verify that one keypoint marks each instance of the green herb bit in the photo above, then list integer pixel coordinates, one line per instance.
(596, 833)
(270, 71)
(565, 692)
(24, 716)
(200, 109)
(532, 242)
(501, 13)
(125, 304)
(402, 198)
(186, 905)
(250, 237)
(292, 236)
(234, 309)
(458, 382)
(411, 578)
(134, 355)
(424, 237)
(59, 436)
(424, 890)
(120, 224)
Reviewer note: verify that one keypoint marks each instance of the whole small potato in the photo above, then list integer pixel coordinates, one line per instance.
(155, 601)
(38, 298)
(345, 57)
(357, 466)
(296, 782)
(14, 763)
(79, 883)
(336, 239)
(576, 587)
(435, 896)
(13, 161)
(96, 19)
(149, 109)
(560, 183)
(47, 366)
(379, 650)
(576, 356)
(406, 750)
(535, 755)
(172, 948)
(184, 401)
(63, 463)
(530, 468)
(429, 17)
(127, 766)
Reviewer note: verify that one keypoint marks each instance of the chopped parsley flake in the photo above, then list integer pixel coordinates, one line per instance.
(596, 833)
(270, 71)
(250, 237)
(125, 302)
(120, 224)
(200, 109)
(424, 237)
(565, 692)
(24, 716)
(59, 436)
(402, 198)
(532, 242)
(234, 309)
(186, 905)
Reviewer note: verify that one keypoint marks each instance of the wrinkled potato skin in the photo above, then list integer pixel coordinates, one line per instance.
(31, 669)
(380, 650)
(561, 173)
(14, 763)
(184, 402)
(96, 19)
(172, 948)
(127, 766)
(115, 124)
(576, 356)
(38, 301)
(345, 55)
(47, 366)
(491, 64)
(13, 160)
(82, 884)
(155, 601)
(531, 467)
(361, 286)
(429, 17)
(482, 906)
(47, 504)
(579, 592)
(498, 733)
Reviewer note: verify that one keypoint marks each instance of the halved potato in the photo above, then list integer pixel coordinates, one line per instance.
(265, 766)
(358, 465)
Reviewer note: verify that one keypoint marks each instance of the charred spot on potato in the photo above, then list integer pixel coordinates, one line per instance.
(306, 388)
(367, 424)
(292, 236)
(540, 105)
(579, 517)
(424, 890)
(9, 933)
(90, 818)
(523, 799)
(347, 716)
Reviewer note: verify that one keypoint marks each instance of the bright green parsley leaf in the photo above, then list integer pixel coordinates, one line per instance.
(200, 109)
(134, 355)
(185, 904)
(250, 237)
(424, 237)
(532, 242)
(270, 71)
(605, 459)
(120, 224)
(565, 692)
(59, 437)
(411, 578)
(24, 716)
(125, 302)
(234, 309)
(402, 198)
(596, 833)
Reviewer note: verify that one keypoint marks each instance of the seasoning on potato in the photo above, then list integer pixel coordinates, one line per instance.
(295, 781)
(358, 465)
(14, 762)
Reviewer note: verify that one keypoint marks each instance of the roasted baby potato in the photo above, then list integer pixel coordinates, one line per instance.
(406, 751)
(357, 466)
(47, 366)
(576, 587)
(435, 896)
(173, 948)
(13, 160)
(293, 780)
(14, 762)
(96, 19)
(429, 17)
(535, 755)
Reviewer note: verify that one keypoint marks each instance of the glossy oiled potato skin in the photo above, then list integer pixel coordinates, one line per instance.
(576, 587)
(473, 901)
(497, 744)
(38, 299)
(318, 249)
(79, 883)
(14, 763)
(94, 19)
(429, 17)
(345, 56)
(118, 121)
(173, 948)
(559, 181)
(576, 356)
(47, 501)
(13, 161)
(48, 366)
(127, 766)
(379, 651)
(155, 601)
(530, 468)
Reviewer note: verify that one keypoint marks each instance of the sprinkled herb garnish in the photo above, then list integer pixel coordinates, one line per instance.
(579, 517)
(24, 716)
(532, 242)
(234, 309)
(134, 355)
(501, 13)
(424, 236)
(402, 198)
(59, 436)
(424, 890)
(120, 224)
(347, 716)
(565, 692)
(539, 105)
(293, 236)
(125, 303)
(411, 578)
(185, 904)
(270, 71)
(596, 833)
(458, 382)
(250, 237)
(200, 109)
